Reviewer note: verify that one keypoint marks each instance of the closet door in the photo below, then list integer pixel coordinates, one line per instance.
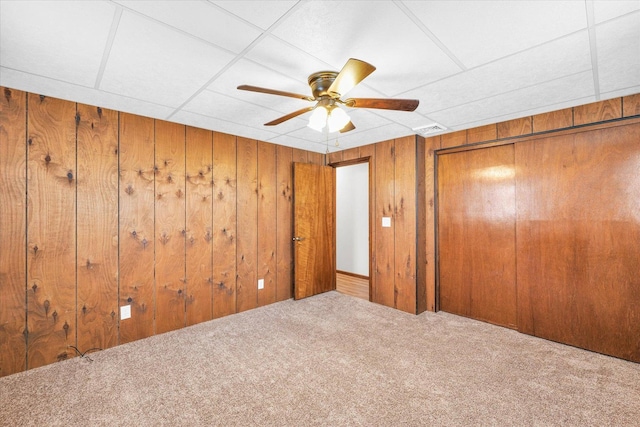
(476, 234)
(578, 234)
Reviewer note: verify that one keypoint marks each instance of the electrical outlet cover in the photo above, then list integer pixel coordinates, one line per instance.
(125, 312)
(260, 283)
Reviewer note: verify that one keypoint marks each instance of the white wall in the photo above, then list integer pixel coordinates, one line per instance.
(352, 218)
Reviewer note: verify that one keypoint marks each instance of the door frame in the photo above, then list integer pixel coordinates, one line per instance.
(352, 162)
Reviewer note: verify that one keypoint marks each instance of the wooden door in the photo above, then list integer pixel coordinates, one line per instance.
(476, 234)
(314, 229)
(578, 239)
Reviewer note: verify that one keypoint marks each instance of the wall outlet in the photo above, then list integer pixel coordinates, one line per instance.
(260, 283)
(386, 221)
(125, 312)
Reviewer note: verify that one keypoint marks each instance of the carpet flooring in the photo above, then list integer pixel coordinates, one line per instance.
(329, 360)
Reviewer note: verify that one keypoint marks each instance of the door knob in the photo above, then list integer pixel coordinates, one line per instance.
(298, 239)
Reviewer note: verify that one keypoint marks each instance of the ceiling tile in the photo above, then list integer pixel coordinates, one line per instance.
(251, 73)
(200, 19)
(286, 59)
(618, 44)
(568, 55)
(404, 56)
(234, 110)
(63, 40)
(518, 103)
(219, 125)
(604, 10)
(481, 31)
(261, 13)
(55, 88)
(154, 63)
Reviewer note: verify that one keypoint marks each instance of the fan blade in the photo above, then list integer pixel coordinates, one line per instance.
(353, 72)
(349, 126)
(383, 103)
(275, 92)
(289, 116)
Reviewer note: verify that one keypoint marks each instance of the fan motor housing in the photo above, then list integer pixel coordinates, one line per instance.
(320, 83)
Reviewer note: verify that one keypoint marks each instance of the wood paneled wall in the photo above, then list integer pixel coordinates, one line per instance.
(398, 263)
(127, 210)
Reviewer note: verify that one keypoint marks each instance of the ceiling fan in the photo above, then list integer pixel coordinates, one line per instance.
(327, 88)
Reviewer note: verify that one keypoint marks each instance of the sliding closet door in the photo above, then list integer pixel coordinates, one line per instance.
(578, 239)
(476, 233)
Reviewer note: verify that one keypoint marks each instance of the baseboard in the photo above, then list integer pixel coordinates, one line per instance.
(346, 273)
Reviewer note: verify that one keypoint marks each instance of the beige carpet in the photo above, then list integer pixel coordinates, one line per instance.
(330, 360)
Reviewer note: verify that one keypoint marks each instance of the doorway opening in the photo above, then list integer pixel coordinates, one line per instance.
(352, 230)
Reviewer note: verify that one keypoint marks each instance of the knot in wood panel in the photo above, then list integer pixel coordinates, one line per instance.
(47, 159)
(179, 193)
(70, 176)
(55, 316)
(46, 304)
(129, 190)
(34, 287)
(7, 94)
(164, 238)
(129, 299)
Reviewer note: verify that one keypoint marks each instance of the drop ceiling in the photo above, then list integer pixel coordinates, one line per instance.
(468, 62)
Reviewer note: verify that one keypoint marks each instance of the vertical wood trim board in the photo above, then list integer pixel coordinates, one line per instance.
(405, 220)
(431, 144)
(224, 224)
(247, 249)
(97, 229)
(267, 226)
(13, 179)
(284, 223)
(170, 226)
(199, 225)
(137, 226)
(51, 230)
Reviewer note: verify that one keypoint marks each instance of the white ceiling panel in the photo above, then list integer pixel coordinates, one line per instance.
(86, 95)
(619, 52)
(62, 40)
(219, 125)
(251, 73)
(604, 10)
(403, 54)
(200, 19)
(468, 62)
(152, 62)
(262, 13)
(481, 31)
(565, 56)
(514, 104)
(286, 59)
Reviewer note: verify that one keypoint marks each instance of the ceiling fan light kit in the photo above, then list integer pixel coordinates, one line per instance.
(327, 88)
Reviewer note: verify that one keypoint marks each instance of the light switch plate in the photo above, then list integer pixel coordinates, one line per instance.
(260, 283)
(386, 221)
(125, 312)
